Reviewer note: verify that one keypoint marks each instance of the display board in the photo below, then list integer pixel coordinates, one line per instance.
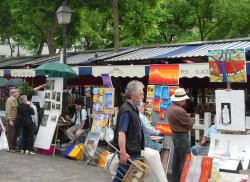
(230, 110)
(52, 111)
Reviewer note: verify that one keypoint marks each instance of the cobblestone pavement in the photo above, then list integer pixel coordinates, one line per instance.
(17, 167)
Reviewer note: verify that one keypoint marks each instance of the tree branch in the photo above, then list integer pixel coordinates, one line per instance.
(214, 26)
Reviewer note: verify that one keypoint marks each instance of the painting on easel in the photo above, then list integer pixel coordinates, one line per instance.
(230, 110)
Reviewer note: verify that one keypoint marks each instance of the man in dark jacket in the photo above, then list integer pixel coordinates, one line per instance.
(180, 123)
(128, 136)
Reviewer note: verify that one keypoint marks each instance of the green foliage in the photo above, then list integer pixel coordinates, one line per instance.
(25, 88)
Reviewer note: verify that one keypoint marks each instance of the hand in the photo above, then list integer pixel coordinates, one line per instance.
(123, 158)
(79, 129)
(3, 129)
(67, 117)
(43, 85)
(11, 123)
(36, 127)
(30, 104)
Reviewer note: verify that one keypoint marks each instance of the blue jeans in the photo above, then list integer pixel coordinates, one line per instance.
(196, 149)
(123, 169)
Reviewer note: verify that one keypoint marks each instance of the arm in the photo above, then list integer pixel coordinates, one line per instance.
(1, 124)
(84, 118)
(122, 145)
(203, 140)
(7, 112)
(148, 128)
(35, 116)
(40, 86)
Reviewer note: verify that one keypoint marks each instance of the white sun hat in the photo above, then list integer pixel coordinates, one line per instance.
(179, 95)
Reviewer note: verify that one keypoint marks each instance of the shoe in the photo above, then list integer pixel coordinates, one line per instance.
(29, 152)
(22, 151)
(12, 151)
(17, 150)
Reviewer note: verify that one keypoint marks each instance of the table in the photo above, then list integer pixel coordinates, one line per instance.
(63, 127)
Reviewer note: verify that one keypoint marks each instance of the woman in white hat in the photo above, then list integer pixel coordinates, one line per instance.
(180, 123)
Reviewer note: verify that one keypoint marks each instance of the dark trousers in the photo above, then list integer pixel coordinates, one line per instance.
(12, 135)
(28, 137)
(181, 149)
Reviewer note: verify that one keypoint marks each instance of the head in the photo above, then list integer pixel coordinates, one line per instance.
(14, 93)
(180, 97)
(29, 96)
(23, 99)
(78, 104)
(142, 108)
(134, 92)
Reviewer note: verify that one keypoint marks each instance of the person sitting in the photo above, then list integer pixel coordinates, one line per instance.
(81, 121)
(203, 147)
(148, 129)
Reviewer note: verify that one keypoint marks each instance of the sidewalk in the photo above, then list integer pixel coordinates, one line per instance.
(28, 168)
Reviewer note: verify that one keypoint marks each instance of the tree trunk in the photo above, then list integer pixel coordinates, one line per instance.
(51, 43)
(11, 49)
(40, 49)
(116, 25)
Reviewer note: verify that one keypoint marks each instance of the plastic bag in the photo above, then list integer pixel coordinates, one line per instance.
(109, 134)
(3, 142)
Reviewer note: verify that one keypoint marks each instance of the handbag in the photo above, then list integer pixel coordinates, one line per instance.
(3, 142)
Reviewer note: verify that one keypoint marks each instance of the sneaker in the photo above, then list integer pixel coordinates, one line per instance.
(29, 152)
(22, 151)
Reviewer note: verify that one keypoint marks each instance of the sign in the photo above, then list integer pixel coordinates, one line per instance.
(23, 73)
(199, 70)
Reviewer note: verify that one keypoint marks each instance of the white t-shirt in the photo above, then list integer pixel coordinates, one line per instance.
(41, 95)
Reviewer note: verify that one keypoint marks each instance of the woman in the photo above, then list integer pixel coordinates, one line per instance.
(25, 111)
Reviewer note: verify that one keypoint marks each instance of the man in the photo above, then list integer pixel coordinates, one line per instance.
(34, 119)
(148, 129)
(128, 135)
(11, 114)
(180, 123)
(41, 95)
(81, 121)
(205, 141)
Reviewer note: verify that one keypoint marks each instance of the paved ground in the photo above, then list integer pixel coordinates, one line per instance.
(17, 167)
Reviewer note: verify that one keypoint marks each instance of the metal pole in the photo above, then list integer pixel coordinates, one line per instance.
(64, 43)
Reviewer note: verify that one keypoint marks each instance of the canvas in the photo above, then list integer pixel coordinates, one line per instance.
(196, 168)
(227, 65)
(230, 110)
(230, 146)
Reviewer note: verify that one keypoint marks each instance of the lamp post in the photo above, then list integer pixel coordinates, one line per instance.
(63, 16)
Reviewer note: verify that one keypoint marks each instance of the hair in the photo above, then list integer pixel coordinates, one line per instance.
(133, 87)
(29, 96)
(177, 102)
(22, 99)
(78, 102)
(13, 91)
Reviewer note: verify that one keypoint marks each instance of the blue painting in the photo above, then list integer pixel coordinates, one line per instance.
(165, 93)
(157, 92)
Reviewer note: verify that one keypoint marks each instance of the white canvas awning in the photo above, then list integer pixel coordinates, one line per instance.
(199, 70)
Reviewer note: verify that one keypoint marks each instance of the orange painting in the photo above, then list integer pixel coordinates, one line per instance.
(162, 112)
(157, 105)
(164, 128)
(172, 90)
(164, 74)
(196, 167)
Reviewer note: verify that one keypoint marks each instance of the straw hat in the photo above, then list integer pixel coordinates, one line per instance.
(179, 95)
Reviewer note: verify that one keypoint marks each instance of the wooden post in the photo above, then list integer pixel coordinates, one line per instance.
(228, 87)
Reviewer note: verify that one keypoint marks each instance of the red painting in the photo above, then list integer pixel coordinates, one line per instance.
(157, 105)
(164, 74)
(164, 128)
(162, 112)
(172, 90)
(196, 168)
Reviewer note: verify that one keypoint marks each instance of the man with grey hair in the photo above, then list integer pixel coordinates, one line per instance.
(128, 135)
(180, 123)
(11, 114)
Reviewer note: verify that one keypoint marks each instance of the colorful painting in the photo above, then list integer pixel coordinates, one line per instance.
(95, 91)
(53, 118)
(108, 100)
(101, 91)
(157, 105)
(162, 112)
(149, 103)
(196, 168)
(150, 91)
(163, 106)
(47, 95)
(47, 105)
(165, 93)
(164, 128)
(44, 120)
(157, 92)
(227, 65)
(164, 74)
(172, 90)
(94, 98)
(50, 84)
(99, 124)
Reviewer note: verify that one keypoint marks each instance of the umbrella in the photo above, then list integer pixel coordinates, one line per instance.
(56, 70)
(14, 82)
(3, 81)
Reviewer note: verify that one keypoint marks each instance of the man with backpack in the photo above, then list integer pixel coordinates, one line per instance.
(81, 121)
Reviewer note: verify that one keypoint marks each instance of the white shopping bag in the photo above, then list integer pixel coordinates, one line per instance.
(3, 142)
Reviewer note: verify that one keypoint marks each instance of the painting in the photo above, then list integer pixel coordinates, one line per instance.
(44, 120)
(230, 110)
(149, 103)
(172, 90)
(53, 104)
(58, 96)
(165, 93)
(53, 95)
(58, 106)
(157, 105)
(157, 92)
(164, 74)
(196, 168)
(150, 90)
(47, 95)
(163, 106)
(108, 100)
(231, 146)
(164, 128)
(47, 105)
(53, 118)
(50, 84)
(99, 124)
(148, 114)
(227, 65)
(162, 112)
